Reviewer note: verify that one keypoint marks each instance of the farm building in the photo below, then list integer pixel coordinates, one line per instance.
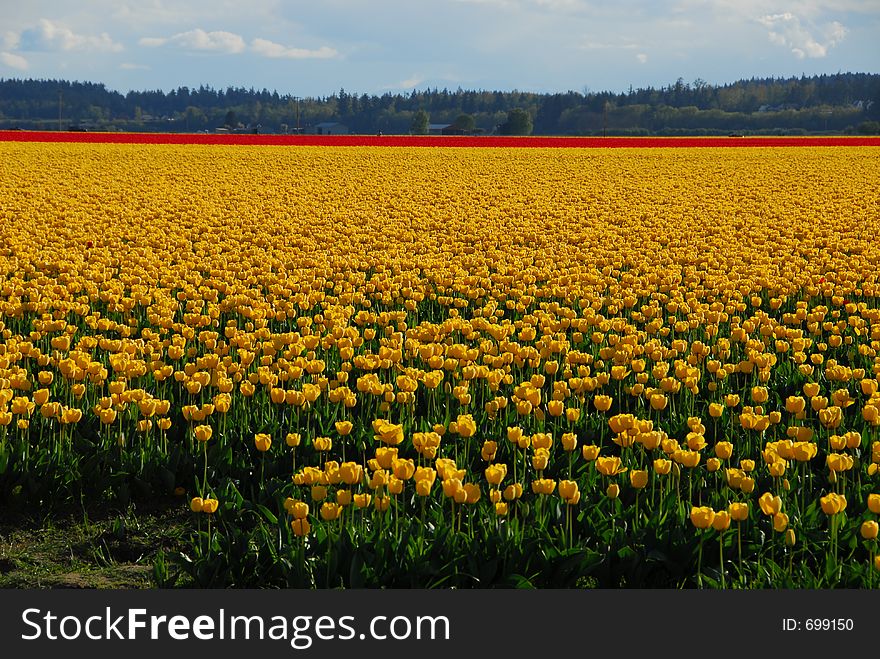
(330, 128)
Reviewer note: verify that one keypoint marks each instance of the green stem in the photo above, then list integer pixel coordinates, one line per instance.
(700, 563)
(205, 475)
(739, 546)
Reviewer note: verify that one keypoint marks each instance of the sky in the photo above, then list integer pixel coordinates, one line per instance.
(317, 47)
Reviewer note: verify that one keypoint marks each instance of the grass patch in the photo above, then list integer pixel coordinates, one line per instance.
(99, 547)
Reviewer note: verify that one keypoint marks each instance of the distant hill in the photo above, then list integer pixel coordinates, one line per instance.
(840, 103)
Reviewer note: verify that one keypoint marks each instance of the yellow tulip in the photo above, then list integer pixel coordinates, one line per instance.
(833, 503)
(300, 527)
(590, 452)
(721, 522)
(543, 486)
(496, 473)
(780, 522)
(662, 466)
(869, 530)
(702, 517)
(638, 478)
(263, 442)
(568, 489)
(738, 511)
(610, 466)
(770, 504)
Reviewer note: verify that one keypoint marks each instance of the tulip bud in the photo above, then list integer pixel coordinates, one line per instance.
(721, 521)
(790, 538)
(738, 511)
(638, 478)
(300, 527)
(869, 530)
(343, 497)
(513, 491)
(590, 452)
(263, 442)
(613, 491)
(330, 511)
(780, 522)
(298, 509)
(832, 503)
(702, 517)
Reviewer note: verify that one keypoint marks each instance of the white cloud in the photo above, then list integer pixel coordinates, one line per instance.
(10, 41)
(52, 36)
(603, 45)
(129, 66)
(13, 61)
(787, 30)
(199, 40)
(642, 58)
(153, 42)
(274, 50)
(413, 81)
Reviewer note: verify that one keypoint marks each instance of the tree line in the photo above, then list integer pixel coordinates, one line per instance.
(843, 102)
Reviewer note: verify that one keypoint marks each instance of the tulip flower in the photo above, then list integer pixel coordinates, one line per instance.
(610, 466)
(638, 478)
(770, 504)
(262, 442)
(869, 530)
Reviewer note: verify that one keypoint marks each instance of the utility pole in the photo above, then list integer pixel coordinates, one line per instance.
(297, 116)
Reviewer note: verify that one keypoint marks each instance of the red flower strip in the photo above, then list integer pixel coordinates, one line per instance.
(431, 140)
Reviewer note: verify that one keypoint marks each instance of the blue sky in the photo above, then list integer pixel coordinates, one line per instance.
(376, 46)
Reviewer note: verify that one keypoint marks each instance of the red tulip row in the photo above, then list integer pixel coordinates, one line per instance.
(429, 140)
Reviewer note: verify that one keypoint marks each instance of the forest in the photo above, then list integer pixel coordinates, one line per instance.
(847, 103)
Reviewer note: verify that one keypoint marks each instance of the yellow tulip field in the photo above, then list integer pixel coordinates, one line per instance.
(452, 367)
